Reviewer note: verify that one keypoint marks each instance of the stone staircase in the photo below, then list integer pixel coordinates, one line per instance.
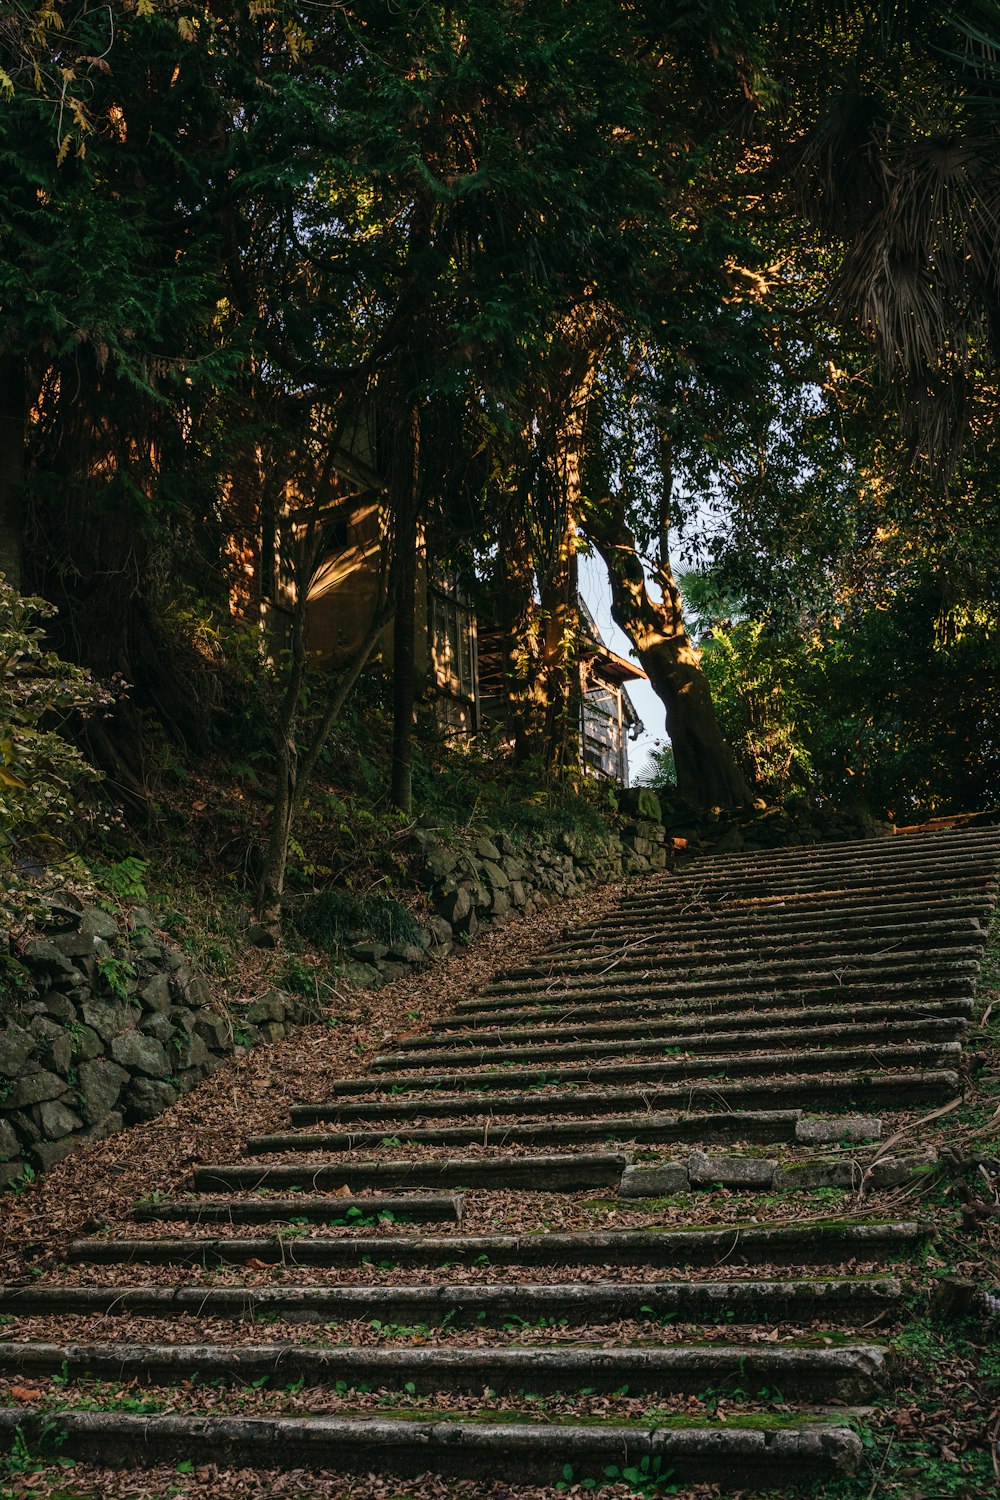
(545, 1240)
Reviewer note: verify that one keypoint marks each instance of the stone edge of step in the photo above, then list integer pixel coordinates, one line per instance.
(655, 1245)
(475, 1449)
(762, 1174)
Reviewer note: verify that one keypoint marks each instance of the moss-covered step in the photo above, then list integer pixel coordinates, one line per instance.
(516, 1450)
(654, 1000)
(940, 1053)
(811, 985)
(843, 1300)
(744, 970)
(791, 1080)
(723, 950)
(572, 1172)
(719, 1039)
(668, 1027)
(858, 1090)
(642, 1128)
(826, 1242)
(334, 1209)
(757, 1174)
(846, 1372)
(816, 915)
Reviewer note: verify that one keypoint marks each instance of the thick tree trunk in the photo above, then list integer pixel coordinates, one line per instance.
(13, 399)
(707, 773)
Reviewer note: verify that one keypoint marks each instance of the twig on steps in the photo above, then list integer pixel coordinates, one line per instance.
(885, 1460)
(935, 1114)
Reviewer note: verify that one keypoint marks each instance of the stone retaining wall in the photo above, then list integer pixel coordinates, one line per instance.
(108, 1026)
(482, 876)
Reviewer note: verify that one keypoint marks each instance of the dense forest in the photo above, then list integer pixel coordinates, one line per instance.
(710, 291)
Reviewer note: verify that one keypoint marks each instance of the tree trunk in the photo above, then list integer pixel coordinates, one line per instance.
(404, 667)
(572, 372)
(13, 414)
(404, 489)
(516, 615)
(272, 879)
(294, 772)
(707, 773)
(560, 669)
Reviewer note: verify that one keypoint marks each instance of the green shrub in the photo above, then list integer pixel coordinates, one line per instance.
(42, 775)
(326, 919)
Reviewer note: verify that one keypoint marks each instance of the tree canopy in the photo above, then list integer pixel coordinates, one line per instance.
(711, 289)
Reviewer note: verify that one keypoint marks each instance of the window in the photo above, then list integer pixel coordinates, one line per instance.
(453, 644)
(601, 730)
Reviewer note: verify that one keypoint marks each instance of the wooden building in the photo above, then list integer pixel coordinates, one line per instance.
(459, 659)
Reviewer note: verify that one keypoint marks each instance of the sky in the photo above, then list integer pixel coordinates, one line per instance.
(596, 591)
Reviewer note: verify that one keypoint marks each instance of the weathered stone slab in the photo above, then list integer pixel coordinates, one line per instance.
(844, 1128)
(100, 1083)
(730, 1171)
(56, 1119)
(145, 1098)
(140, 1054)
(16, 1046)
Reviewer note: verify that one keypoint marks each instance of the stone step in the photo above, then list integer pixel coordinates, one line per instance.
(474, 1450)
(931, 1054)
(659, 1001)
(808, 1243)
(852, 983)
(719, 897)
(829, 875)
(951, 845)
(644, 1128)
(735, 966)
(848, 1372)
(805, 917)
(713, 950)
(961, 833)
(736, 1245)
(843, 1300)
(713, 879)
(572, 1173)
(851, 1090)
(760, 1174)
(346, 1209)
(681, 951)
(957, 861)
(724, 1039)
(668, 1027)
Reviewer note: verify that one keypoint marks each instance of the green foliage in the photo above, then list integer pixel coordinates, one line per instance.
(124, 880)
(115, 974)
(659, 770)
(333, 918)
(881, 710)
(760, 685)
(298, 977)
(42, 775)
